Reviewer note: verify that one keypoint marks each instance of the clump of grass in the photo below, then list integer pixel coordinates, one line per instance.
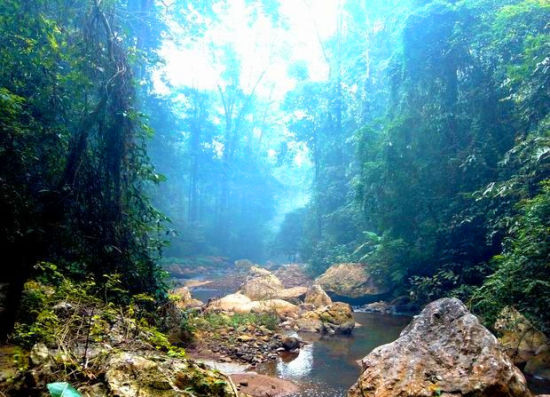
(213, 321)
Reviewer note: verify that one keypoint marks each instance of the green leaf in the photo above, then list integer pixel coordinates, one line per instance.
(62, 389)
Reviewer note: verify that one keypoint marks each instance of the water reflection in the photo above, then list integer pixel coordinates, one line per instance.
(296, 366)
(327, 366)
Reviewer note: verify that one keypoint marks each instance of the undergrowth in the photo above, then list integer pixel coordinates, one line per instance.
(63, 314)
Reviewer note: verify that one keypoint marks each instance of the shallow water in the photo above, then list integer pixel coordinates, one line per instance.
(328, 366)
(204, 293)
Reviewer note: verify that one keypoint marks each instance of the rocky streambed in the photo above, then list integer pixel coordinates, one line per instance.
(273, 339)
(433, 352)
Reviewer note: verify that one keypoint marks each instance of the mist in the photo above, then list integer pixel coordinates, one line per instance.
(250, 197)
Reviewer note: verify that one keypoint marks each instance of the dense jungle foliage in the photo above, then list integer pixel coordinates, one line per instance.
(424, 152)
(435, 171)
(73, 155)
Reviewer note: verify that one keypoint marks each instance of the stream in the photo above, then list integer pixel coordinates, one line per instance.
(328, 366)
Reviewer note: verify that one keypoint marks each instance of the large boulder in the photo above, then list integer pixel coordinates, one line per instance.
(350, 280)
(282, 308)
(444, 351)
(130, 374)
(291, 342)
(539, 365)
(336, 318)
(378, 307)
(317, 297)
(261, 284)
(524, 343)
(237, 303)
(309, 322)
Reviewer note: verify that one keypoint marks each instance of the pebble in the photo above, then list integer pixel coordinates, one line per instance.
(254, 344)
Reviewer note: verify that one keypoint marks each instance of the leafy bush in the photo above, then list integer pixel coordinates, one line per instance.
(324, 254)
(387, 258)
(66, 313)
(522, 278)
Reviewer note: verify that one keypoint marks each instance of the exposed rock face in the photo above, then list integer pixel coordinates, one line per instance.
(185, 300)
(524, 343)
(63, 309)
(122, 374)
(39, 354)
(337, 318)
(444, 351)
(130, 375)
(309, 322)
(249, 344)
(349, 280)
(317, 297)
(261, 284)
(404, 304)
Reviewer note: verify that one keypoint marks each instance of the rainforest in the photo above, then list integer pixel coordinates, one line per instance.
(270, 198)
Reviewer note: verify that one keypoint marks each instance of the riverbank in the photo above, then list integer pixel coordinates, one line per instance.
(237, 346)
(327, 364)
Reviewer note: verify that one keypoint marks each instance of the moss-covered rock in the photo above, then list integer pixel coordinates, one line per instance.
(336, 318)
(130, 374)
(99, 347)
(261, 284)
